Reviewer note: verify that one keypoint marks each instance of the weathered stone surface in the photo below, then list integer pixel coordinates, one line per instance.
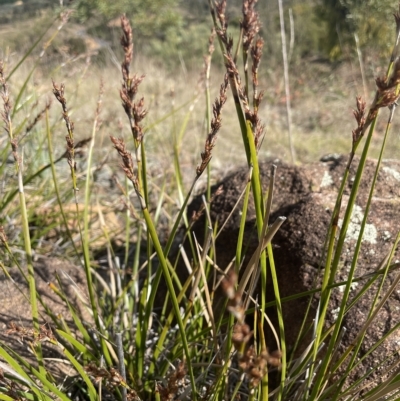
(306, 196)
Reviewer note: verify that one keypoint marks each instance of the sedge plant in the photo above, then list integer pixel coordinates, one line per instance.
(130, 344)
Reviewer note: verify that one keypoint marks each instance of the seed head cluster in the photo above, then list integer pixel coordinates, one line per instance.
(387, 93)
(254, 364)
(215, 126)
(359, 115)
(176, 382)
(5, 95)
(59, 94)
(111, 378)
(250, 23)
(134, 110)
(250, 26)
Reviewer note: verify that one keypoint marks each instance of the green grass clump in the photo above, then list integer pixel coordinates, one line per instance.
(138, 330)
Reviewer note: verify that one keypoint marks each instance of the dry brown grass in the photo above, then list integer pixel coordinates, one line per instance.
(322, 104)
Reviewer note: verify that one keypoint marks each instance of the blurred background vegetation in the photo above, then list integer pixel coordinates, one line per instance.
(336, 48)
(178, 29)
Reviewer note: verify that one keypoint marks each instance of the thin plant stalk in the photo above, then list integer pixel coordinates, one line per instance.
(6, 115)
(239, 247)
(286, 79)
(127, 164)
(360, 61)
(171, 290)
(335, 263)
(59, 94)
(30, 50)
(52, 165)
(360, 237)
(207, 70)
(85, 237)
(383, 98)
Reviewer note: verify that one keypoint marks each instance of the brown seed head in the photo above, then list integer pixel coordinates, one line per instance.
(176, 381)
(220, 8)
(241, 335)
(204, 76)
(256, 53)
(7, 106)
(215, 126)
(228, 284)
(127, 45)
(359, 115)
(250, 23)
(126, 157)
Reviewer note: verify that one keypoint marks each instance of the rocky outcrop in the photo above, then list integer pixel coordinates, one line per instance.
(306, 196)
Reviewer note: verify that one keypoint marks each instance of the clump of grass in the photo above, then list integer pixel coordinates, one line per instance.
(131, 345)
